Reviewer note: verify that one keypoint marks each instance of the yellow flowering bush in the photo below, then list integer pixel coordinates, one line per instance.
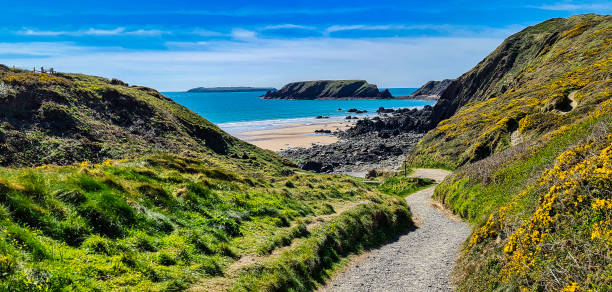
(575, 193)
(572, 287)
(581, 178)
(30, 79)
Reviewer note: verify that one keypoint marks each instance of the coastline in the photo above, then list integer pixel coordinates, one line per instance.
(278, 135)
(292, 133)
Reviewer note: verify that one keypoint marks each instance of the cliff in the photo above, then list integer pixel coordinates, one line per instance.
(528, 131)
(432, 90)
(329, 89)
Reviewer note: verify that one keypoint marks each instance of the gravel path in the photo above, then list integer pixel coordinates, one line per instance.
(420, 260)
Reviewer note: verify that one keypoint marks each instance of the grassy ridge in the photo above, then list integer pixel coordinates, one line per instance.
(66, 118)
(165, 222)
(554, 63)
(533, 164)
(106, 186)
(307, 265)
(546, 228)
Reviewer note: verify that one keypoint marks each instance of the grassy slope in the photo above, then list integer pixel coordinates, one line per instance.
(133, 191)
(534, 231)
(67, 118)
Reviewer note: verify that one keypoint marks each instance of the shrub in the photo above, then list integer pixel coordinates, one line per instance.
(99, 244)
(156, 194)
(166, 259)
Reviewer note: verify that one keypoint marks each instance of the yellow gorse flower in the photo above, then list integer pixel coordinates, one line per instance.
(572, 287)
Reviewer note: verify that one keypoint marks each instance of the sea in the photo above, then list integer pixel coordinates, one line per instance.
(239, 112)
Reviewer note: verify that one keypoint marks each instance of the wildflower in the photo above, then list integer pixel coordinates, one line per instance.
(602, 204)
(572, 287)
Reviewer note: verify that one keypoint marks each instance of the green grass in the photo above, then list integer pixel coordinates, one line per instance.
(531, 98)
(403, 186)
(523, 240)
(69, 118)
(474, 200)
(91, 199)
(312, 261)
(165, 222)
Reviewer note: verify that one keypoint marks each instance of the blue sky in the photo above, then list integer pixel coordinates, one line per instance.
(177, 45)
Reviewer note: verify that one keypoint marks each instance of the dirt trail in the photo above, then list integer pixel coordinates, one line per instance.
(420, 260)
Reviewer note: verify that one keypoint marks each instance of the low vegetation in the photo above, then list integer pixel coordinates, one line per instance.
(403, 186)
(107, 186)
(167, 222)
(66, 118)
(554, 79)
(533, 163)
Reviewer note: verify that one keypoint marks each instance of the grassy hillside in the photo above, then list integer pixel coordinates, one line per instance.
(166, 222)
(532, 148)
(68, 118)
(107, 186)
(554, 73)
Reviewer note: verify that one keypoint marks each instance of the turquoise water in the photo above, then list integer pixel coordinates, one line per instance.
(244, 111)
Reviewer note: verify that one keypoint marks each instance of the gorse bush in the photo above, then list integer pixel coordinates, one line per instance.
(534, 171)
(575, 197)
(550, 69)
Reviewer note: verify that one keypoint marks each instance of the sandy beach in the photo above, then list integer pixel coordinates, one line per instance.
(295, 135)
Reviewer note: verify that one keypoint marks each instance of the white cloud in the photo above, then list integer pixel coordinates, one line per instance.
(388, 62)
(288, 26)
(449, 30)
(92, 32)
(565, 6)
(336, 28)
(146, 32)
(243, 34)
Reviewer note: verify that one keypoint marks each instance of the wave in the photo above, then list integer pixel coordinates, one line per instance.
(236, 128)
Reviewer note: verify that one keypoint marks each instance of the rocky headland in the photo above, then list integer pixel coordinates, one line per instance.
(329, 89)
(432, 90)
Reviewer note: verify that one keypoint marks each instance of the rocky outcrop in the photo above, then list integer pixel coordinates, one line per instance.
(399, 121)
(432, 90)
(329, 89)
(355, 154)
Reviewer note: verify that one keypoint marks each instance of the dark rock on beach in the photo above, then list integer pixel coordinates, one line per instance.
(355, 154)
(357, 111)
(372, 143)
(385, 110)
